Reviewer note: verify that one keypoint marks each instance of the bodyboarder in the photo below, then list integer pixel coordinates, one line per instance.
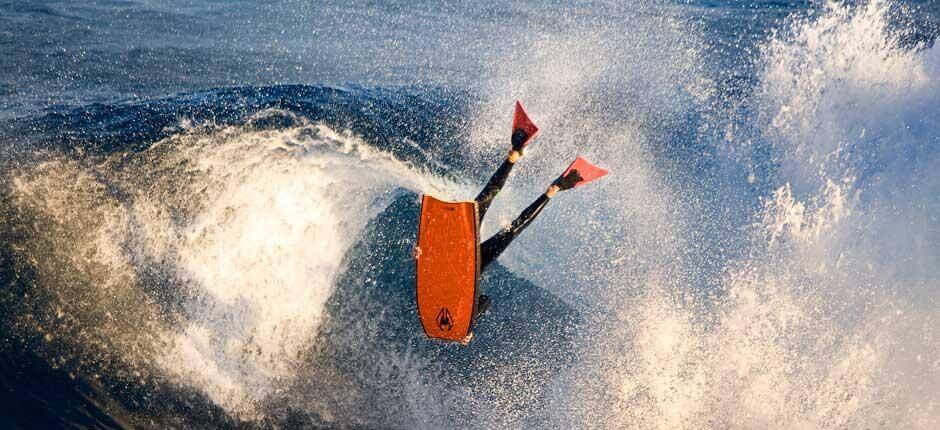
(578, 173)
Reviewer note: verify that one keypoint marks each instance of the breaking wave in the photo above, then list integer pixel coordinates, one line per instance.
(763, 255)
(829, 318)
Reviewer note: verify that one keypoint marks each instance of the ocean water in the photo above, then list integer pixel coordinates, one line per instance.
(207, 210)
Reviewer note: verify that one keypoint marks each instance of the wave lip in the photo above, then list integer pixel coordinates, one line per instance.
(247, 227)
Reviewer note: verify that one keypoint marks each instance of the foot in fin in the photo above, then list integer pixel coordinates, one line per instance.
(579, 173)
(568, 180)
(523, 129)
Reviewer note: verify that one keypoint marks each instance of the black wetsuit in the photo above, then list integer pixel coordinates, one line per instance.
(494, 246)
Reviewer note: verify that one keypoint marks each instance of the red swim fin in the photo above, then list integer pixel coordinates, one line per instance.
(588, 171)
(523, 129)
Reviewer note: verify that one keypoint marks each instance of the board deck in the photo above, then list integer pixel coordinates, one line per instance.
(448, 267)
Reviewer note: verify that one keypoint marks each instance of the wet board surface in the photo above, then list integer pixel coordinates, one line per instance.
(448, 267)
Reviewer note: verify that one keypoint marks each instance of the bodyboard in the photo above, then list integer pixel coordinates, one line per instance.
(448, 267)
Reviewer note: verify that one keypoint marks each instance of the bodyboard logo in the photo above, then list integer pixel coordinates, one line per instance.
(444, 320)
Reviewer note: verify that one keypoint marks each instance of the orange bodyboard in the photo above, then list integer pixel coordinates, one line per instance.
(448, 267)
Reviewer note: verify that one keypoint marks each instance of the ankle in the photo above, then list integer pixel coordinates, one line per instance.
(514, 156)
(551, 191)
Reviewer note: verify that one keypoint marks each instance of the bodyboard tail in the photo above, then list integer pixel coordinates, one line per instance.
(448, 267)
(588, 171)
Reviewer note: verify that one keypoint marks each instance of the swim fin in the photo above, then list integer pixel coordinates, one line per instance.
(588, 171)
(523, 129)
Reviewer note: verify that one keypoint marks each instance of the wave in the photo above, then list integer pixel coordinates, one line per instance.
(827, 320)
(761, 256)
(238, 261)
(245, 226)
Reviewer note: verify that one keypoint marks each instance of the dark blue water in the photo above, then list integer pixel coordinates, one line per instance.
(208, 208)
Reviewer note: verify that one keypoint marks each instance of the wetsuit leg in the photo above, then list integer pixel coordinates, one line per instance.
(496, 182)
(495, 245)
(484, 199)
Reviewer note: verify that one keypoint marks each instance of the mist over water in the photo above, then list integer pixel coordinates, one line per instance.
(764, 253)
(828, 320)
(243, 229)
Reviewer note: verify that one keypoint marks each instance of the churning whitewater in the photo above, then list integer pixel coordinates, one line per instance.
(764, 254)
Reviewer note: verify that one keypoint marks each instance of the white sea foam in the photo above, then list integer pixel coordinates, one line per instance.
(600, 91)
(251, 224)
(262, 255)
(831, 319)
(827, 320)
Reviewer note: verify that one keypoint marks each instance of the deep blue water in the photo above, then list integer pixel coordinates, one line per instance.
(208, 207)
